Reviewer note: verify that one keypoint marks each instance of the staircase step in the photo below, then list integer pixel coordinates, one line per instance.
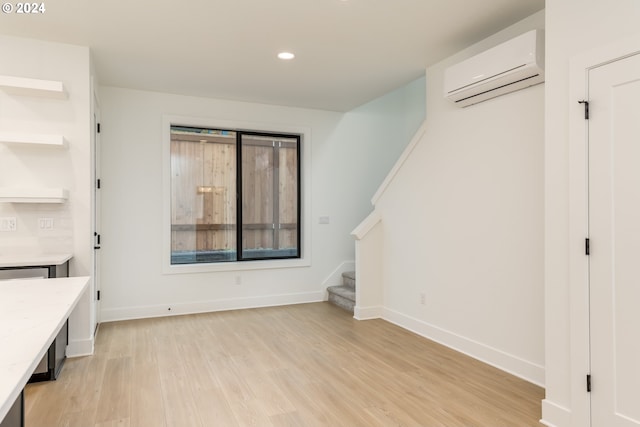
(343, 296)
(349, 279)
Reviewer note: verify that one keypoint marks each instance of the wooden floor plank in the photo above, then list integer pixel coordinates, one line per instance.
(212, 405)
(178, 402)
(115, 396)
(302, 365)
(147, 404)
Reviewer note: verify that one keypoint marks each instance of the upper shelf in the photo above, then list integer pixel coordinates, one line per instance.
(33, 87)
(29, 140)
(33, 195)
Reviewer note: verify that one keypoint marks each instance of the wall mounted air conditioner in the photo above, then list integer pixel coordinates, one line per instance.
(510, 66)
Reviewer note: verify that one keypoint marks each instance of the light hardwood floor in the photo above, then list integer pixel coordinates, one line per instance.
(302, 365)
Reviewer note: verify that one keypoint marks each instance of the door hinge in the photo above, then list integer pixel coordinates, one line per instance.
(587, 248)
(586, 109)
(98, 183)
(98, 295)
(588, 383)
(98, 127)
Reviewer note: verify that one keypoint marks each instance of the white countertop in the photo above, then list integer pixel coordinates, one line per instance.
(33, 260)
(32, 312)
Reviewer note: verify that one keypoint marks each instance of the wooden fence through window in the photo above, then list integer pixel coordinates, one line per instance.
(203, 193)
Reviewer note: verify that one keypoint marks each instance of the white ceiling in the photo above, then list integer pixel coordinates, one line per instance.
(348, 52)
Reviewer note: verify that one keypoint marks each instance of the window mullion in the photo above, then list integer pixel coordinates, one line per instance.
(276, 194)
(239, 222)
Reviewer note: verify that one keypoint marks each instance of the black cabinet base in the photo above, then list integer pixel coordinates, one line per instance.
(15, 416)
(55, 357)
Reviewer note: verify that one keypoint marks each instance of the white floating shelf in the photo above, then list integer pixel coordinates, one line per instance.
(33, 195)
(32, 87)
(31, 140)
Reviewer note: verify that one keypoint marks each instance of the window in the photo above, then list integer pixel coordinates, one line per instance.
(235, 195)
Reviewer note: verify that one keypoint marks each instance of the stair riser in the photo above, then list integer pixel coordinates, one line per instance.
(349, 279)
(341, 302)
(349, 282)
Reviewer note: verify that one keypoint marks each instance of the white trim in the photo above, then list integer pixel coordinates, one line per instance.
(142, 312)
(79, 348)
(305, 155)
(366, 225)
(554, 415)
(398, 165)
(368, 313)
(335, 278)
(578, 262)
(578, 213)
(232, 266)
(504, 361)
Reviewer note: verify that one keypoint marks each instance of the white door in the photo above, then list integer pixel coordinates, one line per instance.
(614, 231)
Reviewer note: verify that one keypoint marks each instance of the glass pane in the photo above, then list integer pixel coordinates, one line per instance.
(288, 199)
(203, 202)
(269, 197)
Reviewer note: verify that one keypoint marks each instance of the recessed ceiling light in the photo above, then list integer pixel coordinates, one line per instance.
(286, 55)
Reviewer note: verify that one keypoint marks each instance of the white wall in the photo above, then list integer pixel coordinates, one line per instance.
(49, 167)
(350, 154)
(462, 223)
(573, 27)
(374, 135)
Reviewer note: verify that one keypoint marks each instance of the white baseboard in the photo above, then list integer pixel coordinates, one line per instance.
(141, 312)
(79, 348)
(335, 278)
(367, 313)
(554, 415)
(507, 362)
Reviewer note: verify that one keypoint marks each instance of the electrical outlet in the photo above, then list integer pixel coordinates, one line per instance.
(8, 224)
(238, 280)
(324, 220)
(423, 298)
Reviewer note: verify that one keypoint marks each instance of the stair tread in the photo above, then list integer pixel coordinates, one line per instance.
(344, 291)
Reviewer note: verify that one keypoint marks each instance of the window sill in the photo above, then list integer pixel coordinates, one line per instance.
(235, 266)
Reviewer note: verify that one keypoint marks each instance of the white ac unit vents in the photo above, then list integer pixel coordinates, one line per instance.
(510, 66)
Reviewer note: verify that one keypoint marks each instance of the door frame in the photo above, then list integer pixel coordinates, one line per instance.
(95, 205)
(579, 219)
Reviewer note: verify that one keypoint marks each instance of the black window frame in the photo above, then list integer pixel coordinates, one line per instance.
(239, 251)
